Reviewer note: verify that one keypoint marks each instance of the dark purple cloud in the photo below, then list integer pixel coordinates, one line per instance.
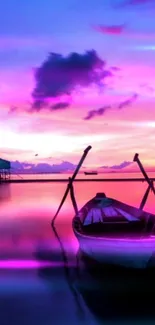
(60, 105)
(110, 29)
(97, 112)
(128, 102)
(21, 167)
(59, 76)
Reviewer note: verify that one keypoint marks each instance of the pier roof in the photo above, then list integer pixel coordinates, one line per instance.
(4, 164)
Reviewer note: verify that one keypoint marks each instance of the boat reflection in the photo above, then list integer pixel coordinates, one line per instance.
(54, 268)
(117, 294)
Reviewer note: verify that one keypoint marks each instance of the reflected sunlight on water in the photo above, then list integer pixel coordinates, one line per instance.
(27, 243)
(27, 209)
(26, 264)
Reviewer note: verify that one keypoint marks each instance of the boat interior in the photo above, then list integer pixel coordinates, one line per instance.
(114, 219)
(113, 228)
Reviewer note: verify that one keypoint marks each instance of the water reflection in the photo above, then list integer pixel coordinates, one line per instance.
(5, 192)
(67, 266)
(116, 294)
(41, 294)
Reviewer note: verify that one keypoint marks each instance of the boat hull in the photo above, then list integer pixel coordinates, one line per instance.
(131, 253)
(93, 173)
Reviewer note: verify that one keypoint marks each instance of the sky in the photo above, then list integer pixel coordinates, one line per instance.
(74, 73)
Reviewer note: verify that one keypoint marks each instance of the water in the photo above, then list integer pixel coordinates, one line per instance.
(33, 285)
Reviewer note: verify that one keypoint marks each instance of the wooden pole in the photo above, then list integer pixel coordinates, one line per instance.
(70, 182)
(136, 158)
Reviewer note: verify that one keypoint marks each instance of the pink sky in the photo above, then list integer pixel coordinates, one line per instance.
(63, 134)
(114, 138)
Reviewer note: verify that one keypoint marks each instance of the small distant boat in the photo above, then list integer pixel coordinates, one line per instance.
(112, 232)
(91, 173)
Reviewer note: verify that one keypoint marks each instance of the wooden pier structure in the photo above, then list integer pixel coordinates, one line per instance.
(5, 167)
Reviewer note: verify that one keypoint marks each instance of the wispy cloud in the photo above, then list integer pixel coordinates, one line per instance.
(147, 87)
(128, 102)
(110, 29)
(114, 68)
(13, 109)
(144, 47)
(124, 30)
(97, 112)
(136, 2)
(101, 111)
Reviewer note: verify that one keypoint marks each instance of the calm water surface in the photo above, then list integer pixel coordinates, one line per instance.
(33, 286)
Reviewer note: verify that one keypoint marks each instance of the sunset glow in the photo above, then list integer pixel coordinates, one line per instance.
(114, 112)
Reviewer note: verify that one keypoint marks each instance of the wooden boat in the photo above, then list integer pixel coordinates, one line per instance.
(112, 232)
(91, 173)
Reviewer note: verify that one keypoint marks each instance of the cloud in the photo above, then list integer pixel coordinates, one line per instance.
(97, 112)
(135, 3)
(60, 105)
(102, 110)
(124, 30)
(110, 29)
(147, 87)
(13, 109)
(14, 151)
(60, 75)
(128, 102)
(150, 47)
(115, 68)
(139, 2)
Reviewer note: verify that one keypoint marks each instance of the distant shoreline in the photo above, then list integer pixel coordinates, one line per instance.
(65, 180)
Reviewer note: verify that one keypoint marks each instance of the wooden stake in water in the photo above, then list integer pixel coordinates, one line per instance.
(150, 182)
(71, 181)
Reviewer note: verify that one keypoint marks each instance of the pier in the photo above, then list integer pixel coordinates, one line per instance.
(5, 167)
(65, 180)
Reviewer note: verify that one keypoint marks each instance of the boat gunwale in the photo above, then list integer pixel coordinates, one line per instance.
(95, 237)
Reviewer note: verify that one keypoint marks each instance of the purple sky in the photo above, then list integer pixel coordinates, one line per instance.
(122, 33)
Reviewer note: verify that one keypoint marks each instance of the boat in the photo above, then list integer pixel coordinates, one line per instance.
(112, 232)
(91, 173)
